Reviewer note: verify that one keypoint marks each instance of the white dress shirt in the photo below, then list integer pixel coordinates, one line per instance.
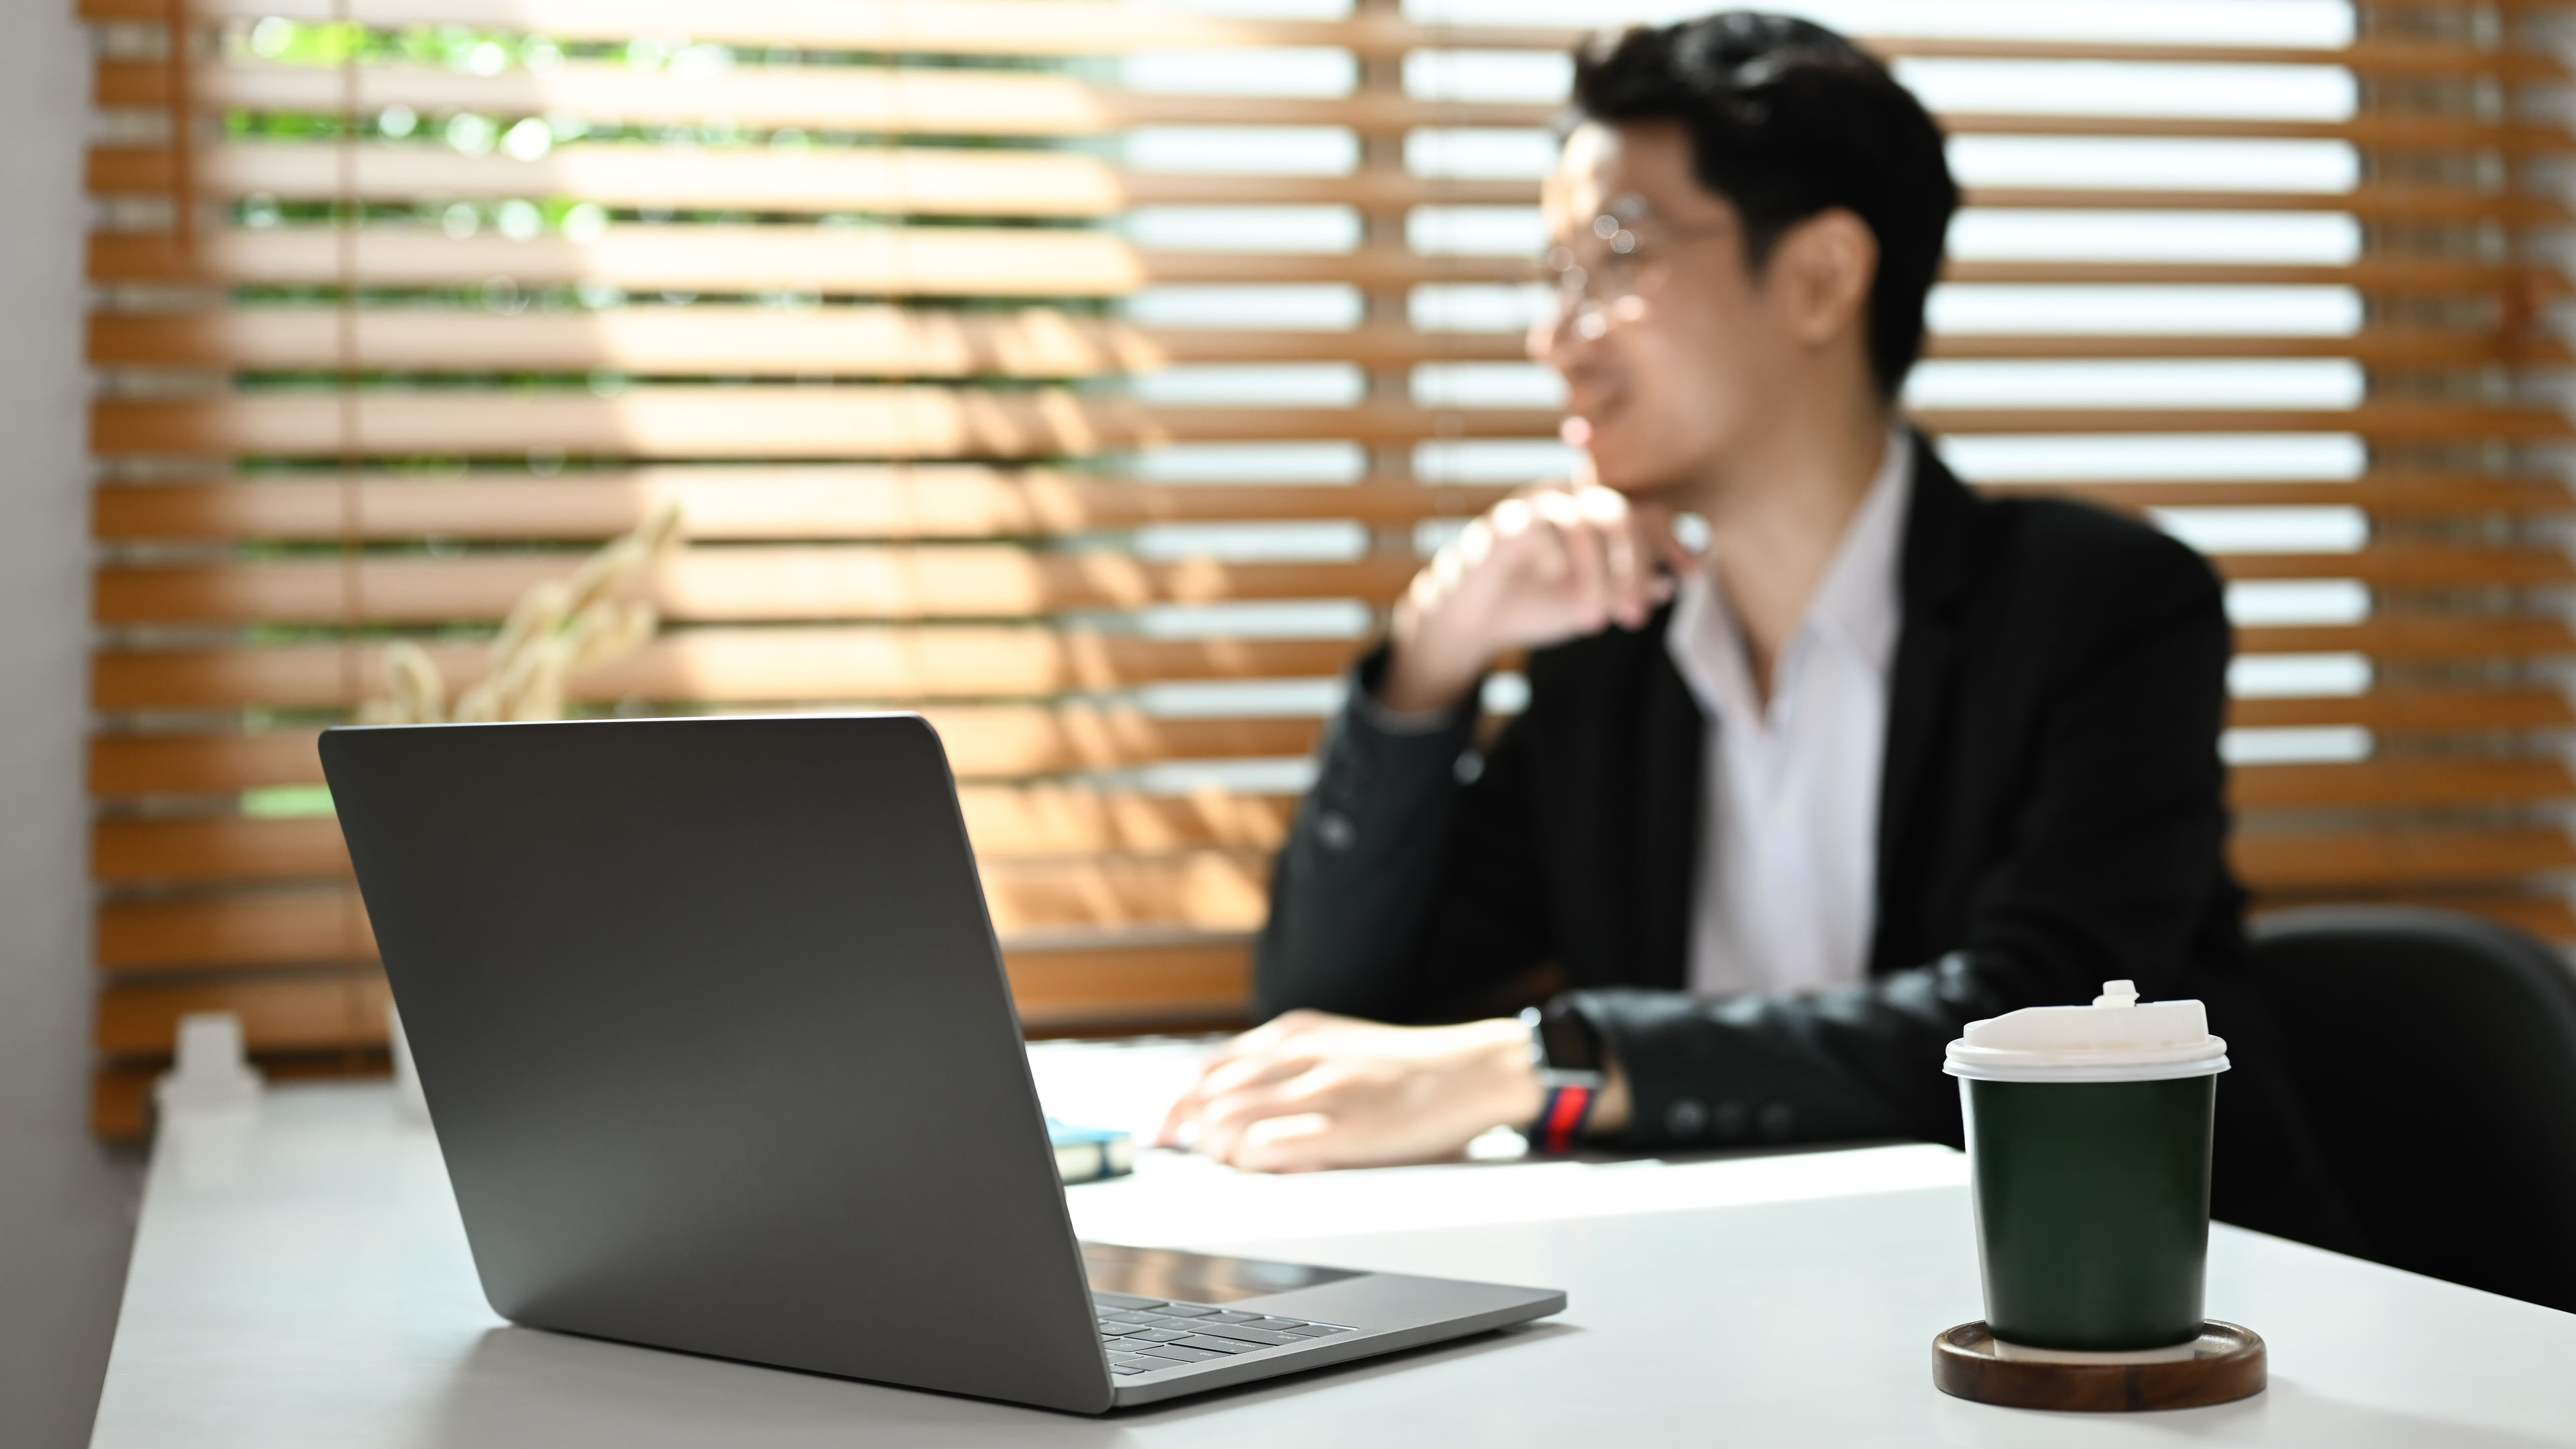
(1788, 836)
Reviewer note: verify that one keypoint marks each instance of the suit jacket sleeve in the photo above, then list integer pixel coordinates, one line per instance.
(1409, 880)
(2110, 856)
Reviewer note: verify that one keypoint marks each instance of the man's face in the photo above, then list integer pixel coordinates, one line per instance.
(1661, 332)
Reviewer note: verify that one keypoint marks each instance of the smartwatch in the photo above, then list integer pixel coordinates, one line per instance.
(1565, 1053)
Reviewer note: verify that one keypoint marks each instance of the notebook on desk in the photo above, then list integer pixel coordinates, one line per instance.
(1088, 1154)
(715, 1035)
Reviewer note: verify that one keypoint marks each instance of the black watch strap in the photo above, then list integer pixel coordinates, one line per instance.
(1565, 1054)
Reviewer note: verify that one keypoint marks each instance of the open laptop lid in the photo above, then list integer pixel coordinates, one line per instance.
(715, 1033)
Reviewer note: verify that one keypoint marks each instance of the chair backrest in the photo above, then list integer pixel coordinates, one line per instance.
(2435, 1055)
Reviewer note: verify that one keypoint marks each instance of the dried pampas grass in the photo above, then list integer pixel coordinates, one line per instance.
(559, 629)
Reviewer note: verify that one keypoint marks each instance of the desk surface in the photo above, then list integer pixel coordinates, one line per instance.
(303, 1280)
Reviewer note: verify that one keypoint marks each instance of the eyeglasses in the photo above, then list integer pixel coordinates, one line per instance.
(1616, 261)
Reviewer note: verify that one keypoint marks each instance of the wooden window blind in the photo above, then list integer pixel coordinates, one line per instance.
(1090, 375)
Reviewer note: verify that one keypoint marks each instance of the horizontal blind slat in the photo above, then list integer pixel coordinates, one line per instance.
(2376, 276)
(870, 99)
(2387, 858)
(734, 664)
(956, 181)
(712, 338)
(964, 261)
(910, 27)
(890, 101)
(944, 181)
(982, 742)
(771, 341)
(1196, 980)
(851, 662)
(954, 261)
(1049, 899)
(992, 741)
(896, 422)
(1003, 823)
(2415, 639)
(306, 1012)
(785, 501)
(874, 421)
(2391, 493)
(2401, 782)
(1084, 27)
(733, 584)
(2412, 566)
(1051, 820)
(860, 501)
(1217, 890)
(720, 584)
(2412, 711)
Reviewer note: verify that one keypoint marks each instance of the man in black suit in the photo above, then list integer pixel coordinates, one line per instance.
(1786, 810)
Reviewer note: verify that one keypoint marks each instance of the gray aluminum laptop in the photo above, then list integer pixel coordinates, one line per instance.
(716, 1037)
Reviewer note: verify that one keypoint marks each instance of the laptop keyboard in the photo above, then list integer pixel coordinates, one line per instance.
(1145, 1334)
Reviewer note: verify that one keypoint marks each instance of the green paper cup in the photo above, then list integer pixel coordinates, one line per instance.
(2088, 1144)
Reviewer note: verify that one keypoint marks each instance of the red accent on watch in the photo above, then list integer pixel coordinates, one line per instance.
(1562, 1118)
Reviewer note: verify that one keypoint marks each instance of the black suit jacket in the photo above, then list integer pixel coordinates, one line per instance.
(2051, 817)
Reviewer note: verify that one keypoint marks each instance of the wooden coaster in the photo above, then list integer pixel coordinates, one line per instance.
(2225, 1365)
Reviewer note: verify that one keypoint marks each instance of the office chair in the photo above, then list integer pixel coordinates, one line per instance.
(2435, 1056)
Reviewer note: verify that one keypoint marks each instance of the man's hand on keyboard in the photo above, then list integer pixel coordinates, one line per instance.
(1311, 1090)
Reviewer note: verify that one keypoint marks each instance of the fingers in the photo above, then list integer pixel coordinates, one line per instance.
(1523, 529)
(1632, 580)
(1264, 1054)
(1298, 1142)
(1342, 1093)
(1614, 548)
(1539, 567)
(1185, 1109)
(1586, 578)
(1176, 1122)
(1224, 1120)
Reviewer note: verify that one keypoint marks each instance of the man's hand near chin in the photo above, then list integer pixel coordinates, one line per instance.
(1546, 565)
(1311, 1090)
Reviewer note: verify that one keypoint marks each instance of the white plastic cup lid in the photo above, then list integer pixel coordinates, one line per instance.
(2116, 1039)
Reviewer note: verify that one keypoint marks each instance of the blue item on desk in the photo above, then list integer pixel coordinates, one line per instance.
(1088, 1154)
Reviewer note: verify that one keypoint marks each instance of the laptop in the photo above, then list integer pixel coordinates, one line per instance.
(717, 1043)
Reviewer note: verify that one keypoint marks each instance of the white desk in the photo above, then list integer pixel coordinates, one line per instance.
(304, 1281)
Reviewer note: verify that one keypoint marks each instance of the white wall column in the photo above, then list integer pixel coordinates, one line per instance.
(66, 1204)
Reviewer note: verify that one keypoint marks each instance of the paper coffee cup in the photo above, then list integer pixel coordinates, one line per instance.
(2088, 1145)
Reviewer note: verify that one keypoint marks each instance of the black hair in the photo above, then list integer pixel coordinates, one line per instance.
(1788, 119)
